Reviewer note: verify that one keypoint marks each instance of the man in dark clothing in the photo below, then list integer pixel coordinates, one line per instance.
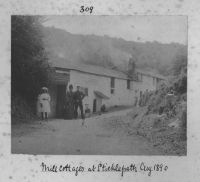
(78, 97)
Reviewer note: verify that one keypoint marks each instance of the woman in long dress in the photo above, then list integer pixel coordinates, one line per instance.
(44, 103)
(69, 103)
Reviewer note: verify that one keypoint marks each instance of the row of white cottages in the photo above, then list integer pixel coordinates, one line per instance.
(101, 86)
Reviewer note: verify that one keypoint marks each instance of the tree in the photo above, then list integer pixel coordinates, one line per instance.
(179, 64)
(180, 73)
(29, 66)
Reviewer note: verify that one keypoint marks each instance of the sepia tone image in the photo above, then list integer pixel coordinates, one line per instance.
(99, 85)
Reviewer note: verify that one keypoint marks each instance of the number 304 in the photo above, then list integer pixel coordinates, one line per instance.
(86, 9)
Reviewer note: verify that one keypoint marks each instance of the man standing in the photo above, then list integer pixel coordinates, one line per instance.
(78, 97)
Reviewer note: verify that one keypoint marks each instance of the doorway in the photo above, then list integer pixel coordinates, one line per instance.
(94, 105)
(61, 93)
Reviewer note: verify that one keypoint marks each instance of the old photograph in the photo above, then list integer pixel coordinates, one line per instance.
(99, 85)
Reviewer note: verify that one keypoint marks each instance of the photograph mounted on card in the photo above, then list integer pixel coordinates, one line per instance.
(99, 85)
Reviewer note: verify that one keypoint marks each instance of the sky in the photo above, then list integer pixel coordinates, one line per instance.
(163, 29)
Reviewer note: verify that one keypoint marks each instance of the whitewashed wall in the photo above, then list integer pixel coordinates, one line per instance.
(121, 96)
(146, 83)
(91, 82)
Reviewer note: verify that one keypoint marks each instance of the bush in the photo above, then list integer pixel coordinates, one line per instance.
(29, 66)
(21, 111)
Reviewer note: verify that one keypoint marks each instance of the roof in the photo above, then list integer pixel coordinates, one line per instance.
(101, 95)
(96, 70)
(59, 78)
(148, 73)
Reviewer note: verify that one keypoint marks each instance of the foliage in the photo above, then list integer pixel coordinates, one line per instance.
(180, 74)
(178, 83)
(29, 67)
(21, 110)
(111, 52)
(164, 120)
(180, 65)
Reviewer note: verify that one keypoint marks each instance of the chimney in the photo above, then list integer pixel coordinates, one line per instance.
(131, 68)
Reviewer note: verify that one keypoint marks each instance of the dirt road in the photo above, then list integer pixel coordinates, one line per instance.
(104, 135)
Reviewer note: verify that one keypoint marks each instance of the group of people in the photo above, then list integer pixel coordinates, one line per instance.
(72, 102)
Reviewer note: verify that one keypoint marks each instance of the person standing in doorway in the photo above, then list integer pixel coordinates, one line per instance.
(44, 103)
(69, 103)
(136, 99)
(78, 102)
(140, 100)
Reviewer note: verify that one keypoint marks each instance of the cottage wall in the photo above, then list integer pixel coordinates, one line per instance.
(147, 83)
(121, 96)
(92, 82)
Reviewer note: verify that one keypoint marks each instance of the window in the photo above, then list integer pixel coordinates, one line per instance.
(112, 82)
(112, 85)
(112, 90)
(128, 84)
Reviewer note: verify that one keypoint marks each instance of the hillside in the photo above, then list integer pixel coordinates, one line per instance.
(162, 116)
(110, 52)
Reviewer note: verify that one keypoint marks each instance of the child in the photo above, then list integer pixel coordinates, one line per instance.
(44, 103)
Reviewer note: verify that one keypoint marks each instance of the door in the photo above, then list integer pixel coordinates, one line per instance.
(61, 93)
(94, 105)
(98, 104)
